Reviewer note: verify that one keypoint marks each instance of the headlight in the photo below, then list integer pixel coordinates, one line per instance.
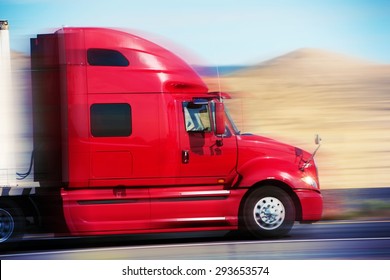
(310, 181)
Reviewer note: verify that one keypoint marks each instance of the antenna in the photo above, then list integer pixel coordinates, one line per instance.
(219, 85)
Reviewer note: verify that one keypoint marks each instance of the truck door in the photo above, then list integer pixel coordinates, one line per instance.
(200, 197)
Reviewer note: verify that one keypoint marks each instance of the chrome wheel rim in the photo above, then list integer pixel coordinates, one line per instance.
(269, 213)
(7, 225)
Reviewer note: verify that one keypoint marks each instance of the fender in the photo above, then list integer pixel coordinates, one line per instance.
(267, 168)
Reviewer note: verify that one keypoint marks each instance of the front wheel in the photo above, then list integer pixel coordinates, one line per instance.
(268, 212)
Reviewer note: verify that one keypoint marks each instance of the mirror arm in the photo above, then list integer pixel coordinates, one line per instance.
(318, 143)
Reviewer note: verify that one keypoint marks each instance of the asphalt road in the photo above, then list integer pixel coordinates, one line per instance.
(366, 240)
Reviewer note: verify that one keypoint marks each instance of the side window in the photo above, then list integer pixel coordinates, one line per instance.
(196, 117)
(105, 57)
(111, 120)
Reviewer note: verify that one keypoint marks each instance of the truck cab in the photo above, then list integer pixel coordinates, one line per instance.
(135, 142)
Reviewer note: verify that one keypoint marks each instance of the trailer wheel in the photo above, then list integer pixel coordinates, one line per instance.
(11, 222)
(268, 212)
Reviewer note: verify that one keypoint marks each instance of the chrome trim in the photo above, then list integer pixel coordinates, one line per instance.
(197, 193)
(201, 219)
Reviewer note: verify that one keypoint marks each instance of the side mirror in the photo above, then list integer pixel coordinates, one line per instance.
(219, 118)
(317, 140)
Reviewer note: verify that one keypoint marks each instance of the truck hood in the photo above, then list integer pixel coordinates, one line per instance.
(267, 147)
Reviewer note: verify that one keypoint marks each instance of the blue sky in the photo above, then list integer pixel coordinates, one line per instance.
(219, 32)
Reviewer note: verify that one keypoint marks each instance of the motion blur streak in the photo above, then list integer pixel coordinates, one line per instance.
(309, 91)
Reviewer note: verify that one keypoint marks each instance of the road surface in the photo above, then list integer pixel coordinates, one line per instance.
(365, 240)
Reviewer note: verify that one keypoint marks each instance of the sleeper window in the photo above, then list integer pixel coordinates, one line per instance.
(105, 57)
(111, 120)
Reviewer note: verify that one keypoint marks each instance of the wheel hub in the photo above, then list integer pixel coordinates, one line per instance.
(269, 213)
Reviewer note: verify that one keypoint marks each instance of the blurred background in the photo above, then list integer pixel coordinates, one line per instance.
(294, 69)
(345, 99)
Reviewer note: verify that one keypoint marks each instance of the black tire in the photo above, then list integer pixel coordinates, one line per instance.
(12, 222)
(268, 212)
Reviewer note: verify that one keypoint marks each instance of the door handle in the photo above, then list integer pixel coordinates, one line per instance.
(185, 156)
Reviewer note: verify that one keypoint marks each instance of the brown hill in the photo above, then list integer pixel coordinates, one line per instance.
(309, 91)
(314, 57)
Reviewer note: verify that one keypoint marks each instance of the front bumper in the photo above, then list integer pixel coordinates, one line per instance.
(311, 204)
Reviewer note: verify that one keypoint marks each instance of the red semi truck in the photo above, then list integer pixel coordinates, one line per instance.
(128, 139)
